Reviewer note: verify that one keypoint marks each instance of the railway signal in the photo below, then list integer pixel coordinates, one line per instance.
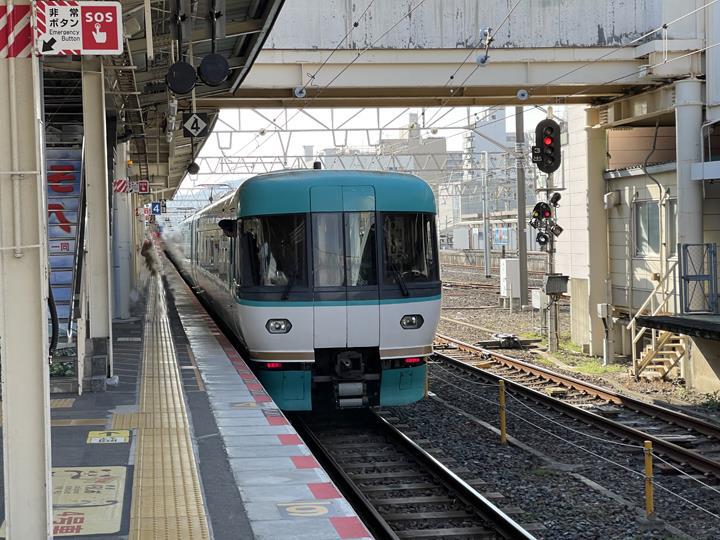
(546, 152)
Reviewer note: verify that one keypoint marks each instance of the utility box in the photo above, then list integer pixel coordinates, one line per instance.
(538, 299)
(510, 278)
(604, 311)
(461, 238)
(555, 284)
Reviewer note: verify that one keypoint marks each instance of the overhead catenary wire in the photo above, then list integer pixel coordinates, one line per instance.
(559, 77)
(355, 59)
(663, 26)
(489, 38)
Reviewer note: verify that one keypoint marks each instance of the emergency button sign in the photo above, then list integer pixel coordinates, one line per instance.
(66, 27)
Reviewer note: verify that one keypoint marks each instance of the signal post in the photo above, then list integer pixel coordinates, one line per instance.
(546, 154)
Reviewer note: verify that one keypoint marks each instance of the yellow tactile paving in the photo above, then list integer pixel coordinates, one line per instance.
(167, 501)
(65, 403)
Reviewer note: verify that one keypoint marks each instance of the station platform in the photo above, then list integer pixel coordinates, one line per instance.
(187, 445)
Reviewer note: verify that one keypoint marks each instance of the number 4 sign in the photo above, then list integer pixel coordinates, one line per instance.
(195, 124)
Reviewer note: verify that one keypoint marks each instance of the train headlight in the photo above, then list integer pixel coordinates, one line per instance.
(278, 326)
(411, 322)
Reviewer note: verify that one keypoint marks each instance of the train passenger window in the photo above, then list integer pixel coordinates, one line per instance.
(328, 251)
(360, 249)
(272, 251)
(410, 250)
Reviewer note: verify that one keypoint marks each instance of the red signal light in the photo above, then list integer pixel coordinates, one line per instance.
(547, 141)
(546, 213)
(273, 365)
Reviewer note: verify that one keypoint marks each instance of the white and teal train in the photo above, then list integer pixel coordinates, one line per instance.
(330, 280)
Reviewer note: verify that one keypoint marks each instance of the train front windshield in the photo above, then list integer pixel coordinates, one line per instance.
(410, 247)
(273, 249)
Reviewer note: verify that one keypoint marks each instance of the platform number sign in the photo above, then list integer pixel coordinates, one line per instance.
(195, 124)
(156, 208)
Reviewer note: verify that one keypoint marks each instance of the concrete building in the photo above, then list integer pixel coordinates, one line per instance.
(641, 227)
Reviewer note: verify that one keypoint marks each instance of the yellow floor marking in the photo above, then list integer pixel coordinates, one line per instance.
(108, 436)
(86, 500)
(196, 371)
(167, 501)
(65, 403)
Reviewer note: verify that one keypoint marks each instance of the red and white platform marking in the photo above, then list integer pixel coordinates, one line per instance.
(286, 493)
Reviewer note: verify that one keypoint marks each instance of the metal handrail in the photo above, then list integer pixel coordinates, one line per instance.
(654, 310)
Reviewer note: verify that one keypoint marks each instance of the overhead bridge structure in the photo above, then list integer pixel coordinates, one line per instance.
(415, 53)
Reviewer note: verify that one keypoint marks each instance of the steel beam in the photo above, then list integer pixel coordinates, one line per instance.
(23, 302)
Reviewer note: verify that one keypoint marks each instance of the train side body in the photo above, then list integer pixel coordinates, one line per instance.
(329, 278)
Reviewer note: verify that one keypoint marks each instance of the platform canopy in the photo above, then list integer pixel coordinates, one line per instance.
(137, 98)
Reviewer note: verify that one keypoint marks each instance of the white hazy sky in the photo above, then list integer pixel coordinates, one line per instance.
(238, 133)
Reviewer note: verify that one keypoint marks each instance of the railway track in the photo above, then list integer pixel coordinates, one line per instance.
(685, 439)
(397, 488)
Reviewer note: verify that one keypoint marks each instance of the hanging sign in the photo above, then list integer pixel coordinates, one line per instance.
(71, 27)
(195, 124)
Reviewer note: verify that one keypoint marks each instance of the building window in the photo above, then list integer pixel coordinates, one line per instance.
(672, 227)
(647, 228)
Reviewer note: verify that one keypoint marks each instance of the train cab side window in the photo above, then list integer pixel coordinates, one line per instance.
(410, 247)
(272, 251)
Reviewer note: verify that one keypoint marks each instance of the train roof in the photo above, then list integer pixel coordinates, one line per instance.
(310, 190)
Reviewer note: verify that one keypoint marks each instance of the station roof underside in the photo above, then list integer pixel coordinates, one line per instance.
(135, 82)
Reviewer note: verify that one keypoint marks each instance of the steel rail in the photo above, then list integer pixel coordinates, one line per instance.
(667, 448)
(496, 518)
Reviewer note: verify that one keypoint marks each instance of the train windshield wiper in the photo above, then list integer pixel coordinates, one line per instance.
(289, 286)
(400, 279)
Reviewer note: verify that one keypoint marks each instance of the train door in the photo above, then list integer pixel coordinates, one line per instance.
(363, 304)
(329, 292)
(346, 309)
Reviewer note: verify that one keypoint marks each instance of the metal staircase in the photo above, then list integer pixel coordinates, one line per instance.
(64, 172)
(658, 360)
(660, 357)
(63, 162)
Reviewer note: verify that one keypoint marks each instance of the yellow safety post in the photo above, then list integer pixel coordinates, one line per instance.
(503, 427)
(649, 492)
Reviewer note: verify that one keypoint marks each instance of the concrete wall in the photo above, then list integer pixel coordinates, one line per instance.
(629, 147)
(630, 271)
(304, 24)
(474, 257)
(711, 213)
(572, 214)
(703, 372)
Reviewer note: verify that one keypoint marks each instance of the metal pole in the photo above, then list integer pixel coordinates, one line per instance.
(503, 424)
(521, 214)
(486, 217)
(553, 315)
(23, 298)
